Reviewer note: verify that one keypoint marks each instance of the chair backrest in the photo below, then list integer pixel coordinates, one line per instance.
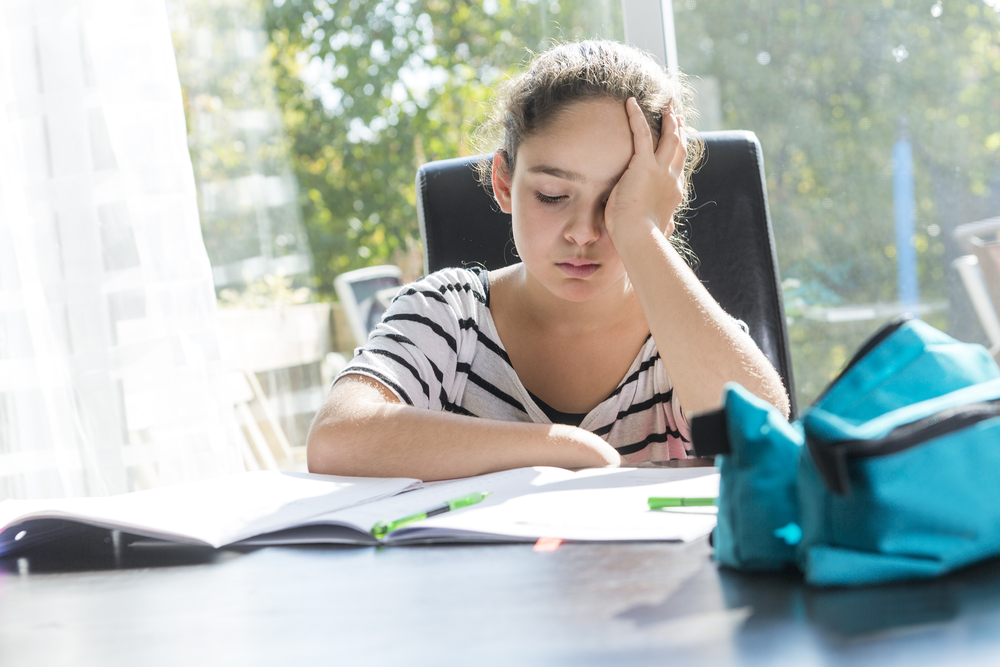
(728, 226)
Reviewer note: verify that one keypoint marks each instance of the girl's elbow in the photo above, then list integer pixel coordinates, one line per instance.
(782, 403)
(774, 392)
(331, 447)
(322, 453)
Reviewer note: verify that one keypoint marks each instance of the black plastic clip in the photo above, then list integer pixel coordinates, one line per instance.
(709, 433)
(831, 462)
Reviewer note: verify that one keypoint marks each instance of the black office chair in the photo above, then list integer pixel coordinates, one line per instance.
(728, 226)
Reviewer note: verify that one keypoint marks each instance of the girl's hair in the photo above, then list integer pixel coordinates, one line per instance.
(579, 71)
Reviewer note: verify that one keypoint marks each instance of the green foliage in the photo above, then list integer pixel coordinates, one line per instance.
(825, 85)
(371, 89)
(820, 85)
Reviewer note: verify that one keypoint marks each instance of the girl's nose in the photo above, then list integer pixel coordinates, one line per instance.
(585, 228)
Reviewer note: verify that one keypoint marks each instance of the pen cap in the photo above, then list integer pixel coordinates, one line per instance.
(465, 501)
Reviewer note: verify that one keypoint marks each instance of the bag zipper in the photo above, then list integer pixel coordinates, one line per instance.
(831, 458)
(874, 341)
(910, 435)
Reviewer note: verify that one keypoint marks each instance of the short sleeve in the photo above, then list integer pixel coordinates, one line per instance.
(417, 348)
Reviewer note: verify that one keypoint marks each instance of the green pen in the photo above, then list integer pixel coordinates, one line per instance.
(382, 527)
(660, 503)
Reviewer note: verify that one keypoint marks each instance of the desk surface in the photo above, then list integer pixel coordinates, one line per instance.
(582, 604)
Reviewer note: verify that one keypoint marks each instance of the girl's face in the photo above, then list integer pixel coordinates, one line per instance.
(563, 177)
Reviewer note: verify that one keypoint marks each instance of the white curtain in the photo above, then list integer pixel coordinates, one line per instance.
(110, 372)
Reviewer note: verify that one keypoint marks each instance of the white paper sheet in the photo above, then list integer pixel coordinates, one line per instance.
(593, 505)
(527, 503)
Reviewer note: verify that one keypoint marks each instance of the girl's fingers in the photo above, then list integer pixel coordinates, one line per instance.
(642, 137)
(680, 154)
(670, 137)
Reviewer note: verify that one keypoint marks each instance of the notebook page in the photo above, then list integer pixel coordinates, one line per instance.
(593, 505)
(214, 511)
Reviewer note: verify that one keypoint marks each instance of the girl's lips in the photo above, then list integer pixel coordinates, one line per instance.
(578, 270)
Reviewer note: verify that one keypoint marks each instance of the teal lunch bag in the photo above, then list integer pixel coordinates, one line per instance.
(893, 473)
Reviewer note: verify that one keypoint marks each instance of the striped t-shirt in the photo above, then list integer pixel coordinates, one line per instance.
(437, 348)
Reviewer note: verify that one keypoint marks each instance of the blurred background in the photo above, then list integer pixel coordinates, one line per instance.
(866, 112)
(305, 123)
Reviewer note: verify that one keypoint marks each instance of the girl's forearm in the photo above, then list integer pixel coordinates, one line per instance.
(359, 434)
(703, 347)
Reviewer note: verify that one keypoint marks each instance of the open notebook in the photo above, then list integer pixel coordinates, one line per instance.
(259, 508)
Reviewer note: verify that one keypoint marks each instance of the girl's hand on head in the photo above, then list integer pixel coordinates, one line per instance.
(652, 186)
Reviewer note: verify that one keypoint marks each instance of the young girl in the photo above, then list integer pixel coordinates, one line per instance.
(591, 351)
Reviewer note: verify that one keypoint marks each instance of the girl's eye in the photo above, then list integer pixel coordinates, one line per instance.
(546, 199)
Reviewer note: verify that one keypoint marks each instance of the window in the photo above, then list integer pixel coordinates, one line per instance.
(880, 124)
(879, 121)
(372, 89)
(307, 121)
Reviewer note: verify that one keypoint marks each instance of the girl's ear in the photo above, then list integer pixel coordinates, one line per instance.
(501, 181)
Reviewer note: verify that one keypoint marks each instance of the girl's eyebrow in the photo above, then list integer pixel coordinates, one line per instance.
(567, 175)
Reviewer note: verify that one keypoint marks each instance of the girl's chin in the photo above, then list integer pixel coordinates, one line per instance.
(567, 287)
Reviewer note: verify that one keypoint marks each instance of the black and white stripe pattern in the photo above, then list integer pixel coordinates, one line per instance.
(437, 348)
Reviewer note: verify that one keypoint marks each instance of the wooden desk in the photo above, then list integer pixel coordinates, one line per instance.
(583, 604)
